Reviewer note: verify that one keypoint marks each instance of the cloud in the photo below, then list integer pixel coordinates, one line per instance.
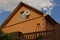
(41, 4)
(9, 5)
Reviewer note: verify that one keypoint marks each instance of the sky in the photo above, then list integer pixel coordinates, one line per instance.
(50, 7)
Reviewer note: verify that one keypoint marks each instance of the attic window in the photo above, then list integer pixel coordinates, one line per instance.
(23, 13)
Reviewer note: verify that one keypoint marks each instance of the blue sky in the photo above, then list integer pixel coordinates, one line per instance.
(3, 16)
(55, 13)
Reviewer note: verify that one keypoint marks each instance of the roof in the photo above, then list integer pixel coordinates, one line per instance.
(49, 18)
(18, 7)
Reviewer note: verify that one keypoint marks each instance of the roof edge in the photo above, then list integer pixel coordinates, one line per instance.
(11, 15)
(18, 7)
(49, 18)
(15, 10)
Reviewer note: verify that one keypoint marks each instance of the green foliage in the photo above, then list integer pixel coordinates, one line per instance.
(6, 36)
(1, 32)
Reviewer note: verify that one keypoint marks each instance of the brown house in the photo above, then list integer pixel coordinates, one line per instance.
(57, 32)
(28, 20)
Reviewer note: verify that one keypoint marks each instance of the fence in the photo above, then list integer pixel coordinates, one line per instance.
(41, 35)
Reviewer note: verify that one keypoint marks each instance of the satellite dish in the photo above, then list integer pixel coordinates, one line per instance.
(27, 12)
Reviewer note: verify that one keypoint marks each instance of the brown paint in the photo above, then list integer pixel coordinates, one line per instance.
(26, 27)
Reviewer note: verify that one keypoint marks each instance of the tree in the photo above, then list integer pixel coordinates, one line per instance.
(6, 36)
